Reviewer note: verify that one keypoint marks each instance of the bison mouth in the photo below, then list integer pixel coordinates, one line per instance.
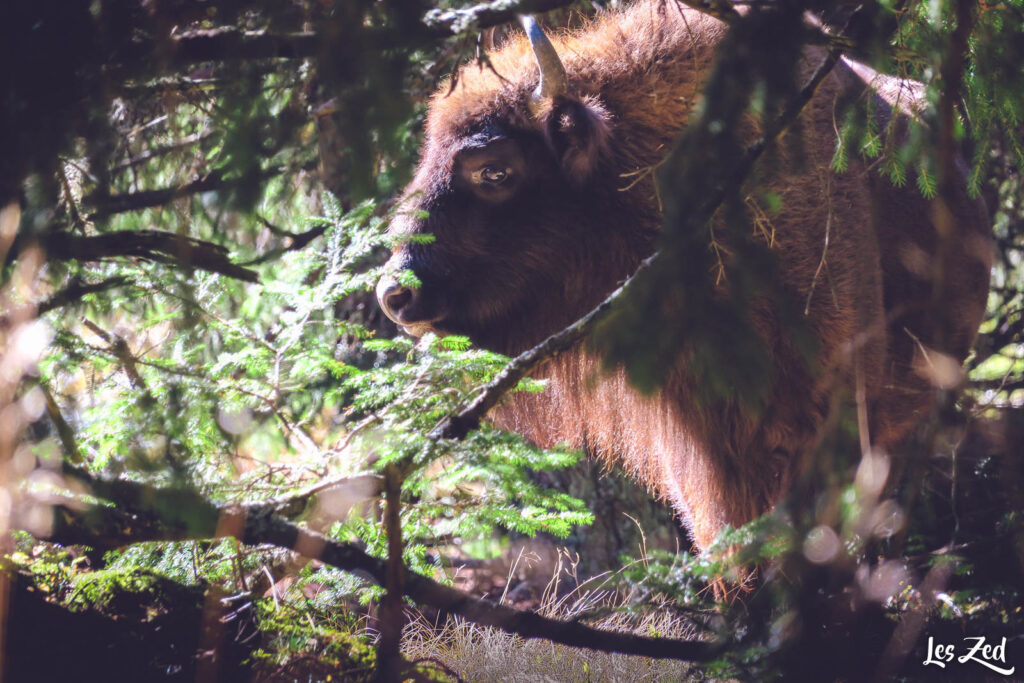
(416, 311)
(499, 328)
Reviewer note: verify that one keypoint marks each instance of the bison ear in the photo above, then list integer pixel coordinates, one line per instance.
(578, 131)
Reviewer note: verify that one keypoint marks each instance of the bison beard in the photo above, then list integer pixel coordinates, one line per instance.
(523, 187)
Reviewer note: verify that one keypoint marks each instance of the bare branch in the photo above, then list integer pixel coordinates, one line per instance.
(812, 35)
(228, 43)
(119, 347)
(162, 150)
(392, 610)
(149, 513)
(949, 251)
(357, 487)
(76, 291)
(1003, 333)
(64, 431)
(485, 15)
(1001, 385)
(153, 245)
(217, 44)
(108, 205)
(292, 242)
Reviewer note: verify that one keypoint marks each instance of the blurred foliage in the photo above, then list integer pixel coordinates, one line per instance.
(251, 391)
(205, 321)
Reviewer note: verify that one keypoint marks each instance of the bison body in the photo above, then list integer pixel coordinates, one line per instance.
(536, 217)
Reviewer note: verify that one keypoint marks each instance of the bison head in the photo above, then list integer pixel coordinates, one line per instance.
(517, 188)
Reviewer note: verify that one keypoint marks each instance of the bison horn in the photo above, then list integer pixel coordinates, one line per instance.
(553, 81)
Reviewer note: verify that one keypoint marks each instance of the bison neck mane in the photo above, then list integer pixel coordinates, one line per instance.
(721, 464)
(662, 439)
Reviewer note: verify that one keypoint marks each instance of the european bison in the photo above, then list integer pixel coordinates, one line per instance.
(523, 183)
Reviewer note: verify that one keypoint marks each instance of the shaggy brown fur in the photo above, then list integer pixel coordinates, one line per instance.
(521, 257)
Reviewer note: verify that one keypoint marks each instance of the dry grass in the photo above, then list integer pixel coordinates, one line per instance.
(478, 653)
(487, 654)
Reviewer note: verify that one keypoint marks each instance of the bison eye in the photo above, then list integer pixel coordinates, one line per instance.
(494, 175)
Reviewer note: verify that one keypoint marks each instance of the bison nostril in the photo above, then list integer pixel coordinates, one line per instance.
(397, 298)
